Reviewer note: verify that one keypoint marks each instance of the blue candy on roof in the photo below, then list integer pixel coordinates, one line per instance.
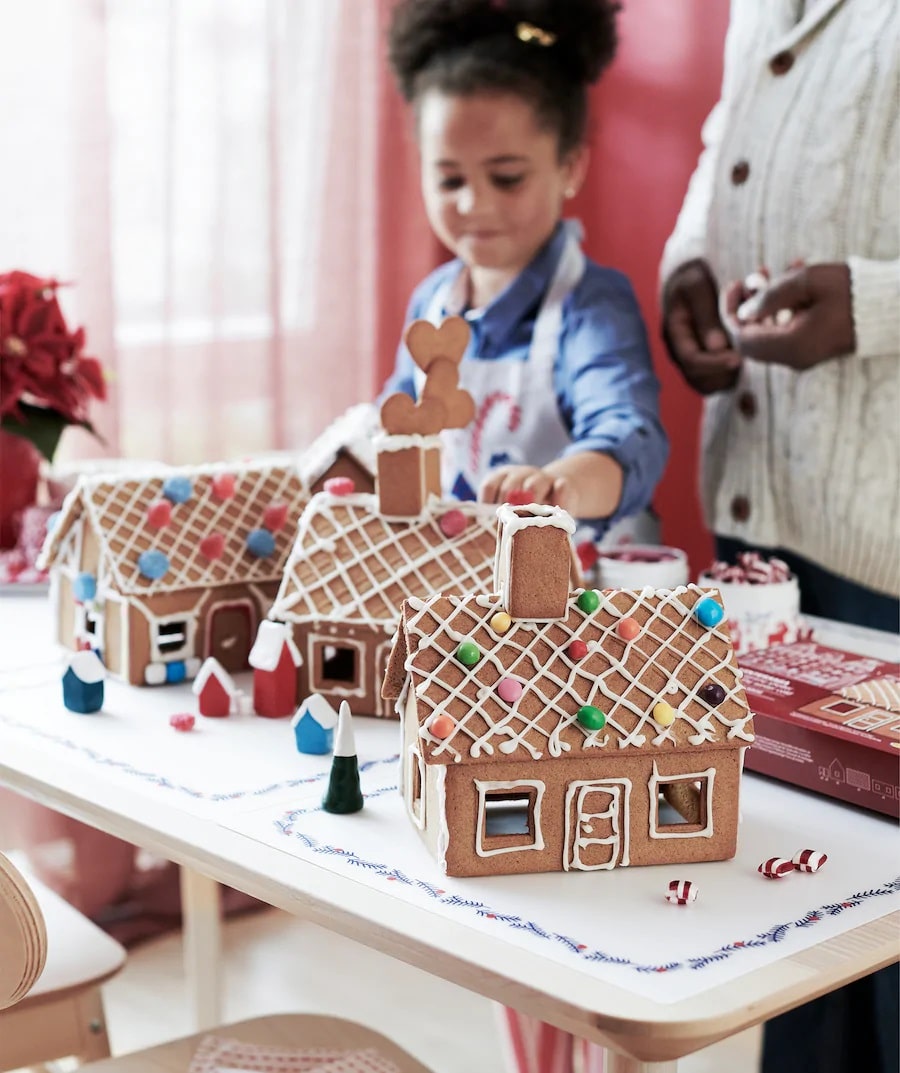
(153, 565)
(178, 489)
(261, 543)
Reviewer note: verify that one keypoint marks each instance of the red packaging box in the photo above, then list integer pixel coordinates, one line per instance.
(826, 720)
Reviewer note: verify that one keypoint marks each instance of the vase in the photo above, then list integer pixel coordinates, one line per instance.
(20, 464)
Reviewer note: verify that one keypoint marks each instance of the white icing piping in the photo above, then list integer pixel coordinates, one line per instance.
(428, 627)
(483, 789)
(657, 780)
(350, 566)
(618, 815)
(404, 442)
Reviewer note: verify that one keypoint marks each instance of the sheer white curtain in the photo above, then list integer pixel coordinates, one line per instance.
(205, 173)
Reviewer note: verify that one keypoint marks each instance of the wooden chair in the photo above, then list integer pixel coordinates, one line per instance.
(24, 950)
(62, 1015)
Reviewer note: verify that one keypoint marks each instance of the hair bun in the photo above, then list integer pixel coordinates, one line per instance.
(584, 33)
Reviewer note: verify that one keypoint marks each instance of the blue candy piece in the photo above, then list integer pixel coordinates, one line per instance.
(153, 565)
(176, 672)
(261, 543)
(708, 613)
(53, 520)
(84, 587)
(178, 489)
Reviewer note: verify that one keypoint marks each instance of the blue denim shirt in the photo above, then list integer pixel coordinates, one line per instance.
(606, 390)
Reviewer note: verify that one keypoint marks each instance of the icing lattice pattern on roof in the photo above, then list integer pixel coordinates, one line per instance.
(204, 536)
(879, 692)
(671, 659)
(352, 565)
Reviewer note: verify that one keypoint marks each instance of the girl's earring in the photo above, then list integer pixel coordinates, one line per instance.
(569, 192)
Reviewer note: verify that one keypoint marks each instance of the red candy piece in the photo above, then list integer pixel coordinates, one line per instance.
(776, 868)
(628, 629)
(453, 523)
(519, 498)
(274, 516)
(223, 485)
(182, 721)
(340, 486)
(212, 546)
(587, 554)
(159, 513)
(577, 650)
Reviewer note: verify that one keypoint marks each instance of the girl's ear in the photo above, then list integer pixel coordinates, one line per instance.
(575, 168)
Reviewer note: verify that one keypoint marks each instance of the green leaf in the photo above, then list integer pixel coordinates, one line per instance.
(40, 426)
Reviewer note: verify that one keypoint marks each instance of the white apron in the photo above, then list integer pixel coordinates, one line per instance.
(517, 419)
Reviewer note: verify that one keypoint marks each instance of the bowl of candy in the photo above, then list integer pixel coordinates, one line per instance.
(635, 566)
(761, 599)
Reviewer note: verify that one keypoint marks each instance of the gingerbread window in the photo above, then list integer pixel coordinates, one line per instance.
(171, 638)
(509, 816)
(681, 805)
(338, 665)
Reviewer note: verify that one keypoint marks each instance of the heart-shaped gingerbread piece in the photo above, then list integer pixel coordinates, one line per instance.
(442, 383)
(402, 416)
(427, 344)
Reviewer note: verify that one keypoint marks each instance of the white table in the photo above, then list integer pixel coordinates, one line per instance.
(99, 769)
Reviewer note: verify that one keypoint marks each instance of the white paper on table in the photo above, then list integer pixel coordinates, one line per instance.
(616, 925)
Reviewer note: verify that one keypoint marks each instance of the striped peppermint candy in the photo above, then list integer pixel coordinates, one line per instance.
(808, 860)
(681, 892)
(776, 868)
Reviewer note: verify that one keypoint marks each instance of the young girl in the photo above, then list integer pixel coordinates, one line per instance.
(566, 399)
(558, 364)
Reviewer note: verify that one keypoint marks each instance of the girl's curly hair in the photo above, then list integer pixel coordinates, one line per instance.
(463, 47)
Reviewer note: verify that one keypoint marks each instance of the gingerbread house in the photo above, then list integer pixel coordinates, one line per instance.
(547, 729)
(348, 574)
(159, 571)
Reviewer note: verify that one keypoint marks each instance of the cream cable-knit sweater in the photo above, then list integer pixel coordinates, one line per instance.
(805, 164)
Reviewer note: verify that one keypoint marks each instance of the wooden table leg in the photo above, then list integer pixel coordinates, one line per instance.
(202, 939)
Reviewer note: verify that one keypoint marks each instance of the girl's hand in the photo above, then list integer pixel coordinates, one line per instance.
(538, 485)
(800, 319)
(587, 484)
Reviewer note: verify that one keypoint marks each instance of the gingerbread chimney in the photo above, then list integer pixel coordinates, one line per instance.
(532, 570)
(409, 471)
(409, 455)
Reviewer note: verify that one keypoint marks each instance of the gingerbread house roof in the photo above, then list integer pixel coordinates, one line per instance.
(671, 659)
(353, 433)
(210, 525)
(352, 565)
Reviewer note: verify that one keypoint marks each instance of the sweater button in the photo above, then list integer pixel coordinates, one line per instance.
(781, 62)
(740, 173)
(740, 508)
(747, 404)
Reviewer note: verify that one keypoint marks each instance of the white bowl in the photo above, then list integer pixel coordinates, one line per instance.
(636, 566)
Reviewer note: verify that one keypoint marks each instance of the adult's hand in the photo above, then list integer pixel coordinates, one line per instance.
(693, 331)
(819, 327)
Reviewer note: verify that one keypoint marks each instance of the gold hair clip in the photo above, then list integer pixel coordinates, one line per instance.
(534, 35)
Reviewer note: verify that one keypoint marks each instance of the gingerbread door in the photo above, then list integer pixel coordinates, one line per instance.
(231, 628)
(597, 824)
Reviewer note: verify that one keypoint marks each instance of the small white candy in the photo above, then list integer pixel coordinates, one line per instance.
(756, 281)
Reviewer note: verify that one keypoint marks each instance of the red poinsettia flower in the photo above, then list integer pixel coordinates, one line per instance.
(46, 382)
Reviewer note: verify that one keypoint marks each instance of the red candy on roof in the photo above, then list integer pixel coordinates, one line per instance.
(340, 486)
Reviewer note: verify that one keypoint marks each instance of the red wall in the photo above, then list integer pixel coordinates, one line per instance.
(648, 111)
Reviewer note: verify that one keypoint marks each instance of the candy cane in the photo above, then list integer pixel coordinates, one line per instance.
(496, 398)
